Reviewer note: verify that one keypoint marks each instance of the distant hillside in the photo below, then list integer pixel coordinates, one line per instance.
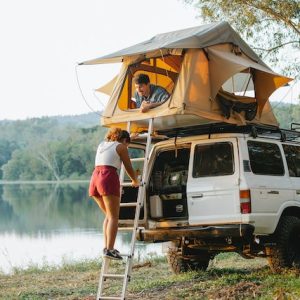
(83, 121)
(22, 131)
(49, 148)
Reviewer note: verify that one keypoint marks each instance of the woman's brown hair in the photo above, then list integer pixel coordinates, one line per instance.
(117, 134)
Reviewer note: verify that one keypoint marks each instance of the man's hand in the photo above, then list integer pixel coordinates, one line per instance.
(145, 106)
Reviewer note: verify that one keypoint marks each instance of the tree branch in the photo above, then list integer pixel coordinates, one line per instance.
(273, 13)
(43, 157)
(276, 47)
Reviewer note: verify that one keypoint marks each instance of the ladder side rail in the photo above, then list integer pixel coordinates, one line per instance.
(104, 269)
(142, 188)
(140, 199)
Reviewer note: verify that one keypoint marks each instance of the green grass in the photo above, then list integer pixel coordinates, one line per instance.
(228, 277)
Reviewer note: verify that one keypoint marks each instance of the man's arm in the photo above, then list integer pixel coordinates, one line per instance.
(146, 106)
(160, 95)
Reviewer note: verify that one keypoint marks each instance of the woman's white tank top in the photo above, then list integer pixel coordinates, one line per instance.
(107, 155)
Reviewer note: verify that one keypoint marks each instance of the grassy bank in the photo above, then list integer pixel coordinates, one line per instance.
(228, 277)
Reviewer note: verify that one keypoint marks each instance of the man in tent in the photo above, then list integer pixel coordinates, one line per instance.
(148, 95)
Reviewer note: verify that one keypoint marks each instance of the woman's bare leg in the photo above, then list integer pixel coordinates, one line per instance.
(112, 206)
(101, 205)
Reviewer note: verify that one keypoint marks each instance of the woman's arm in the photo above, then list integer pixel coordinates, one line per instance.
(123, 153)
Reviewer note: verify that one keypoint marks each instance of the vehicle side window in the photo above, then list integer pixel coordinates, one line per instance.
(213, 160)
(265, 158)
(292, 154)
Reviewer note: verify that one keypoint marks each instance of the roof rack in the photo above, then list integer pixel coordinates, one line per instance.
(254, 130)
(295, 126)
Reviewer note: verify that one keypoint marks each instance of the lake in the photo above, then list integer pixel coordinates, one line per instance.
(52, 224)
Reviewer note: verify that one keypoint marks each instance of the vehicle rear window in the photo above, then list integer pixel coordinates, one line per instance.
(292, 154)
(265, 158)
(213, 160)
(136, 165)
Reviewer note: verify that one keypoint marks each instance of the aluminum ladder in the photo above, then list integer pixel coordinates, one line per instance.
(126, 275)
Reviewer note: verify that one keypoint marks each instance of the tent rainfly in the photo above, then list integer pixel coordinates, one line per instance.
(211, 74)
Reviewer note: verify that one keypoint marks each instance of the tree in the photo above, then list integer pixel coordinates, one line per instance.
(271, 27)
(286, 114)
(6, 150)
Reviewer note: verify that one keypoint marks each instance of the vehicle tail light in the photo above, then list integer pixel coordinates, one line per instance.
(245, 201)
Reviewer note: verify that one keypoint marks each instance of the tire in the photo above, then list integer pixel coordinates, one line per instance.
(180, 264)
(286, 253)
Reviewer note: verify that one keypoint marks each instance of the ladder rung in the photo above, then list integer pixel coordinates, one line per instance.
(137, 159)
(124, 184)
(143, 135)
(125, 228)
(109, 298)
(129, 204)
(114, 276)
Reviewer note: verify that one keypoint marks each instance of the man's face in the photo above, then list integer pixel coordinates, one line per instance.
(143, 89)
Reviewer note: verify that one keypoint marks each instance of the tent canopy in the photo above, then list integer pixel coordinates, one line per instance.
(196, 66)
(190, 38)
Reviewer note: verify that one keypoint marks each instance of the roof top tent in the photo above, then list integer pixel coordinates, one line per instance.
(211, 74)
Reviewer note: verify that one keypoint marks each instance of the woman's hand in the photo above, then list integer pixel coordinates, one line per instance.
(135, 183)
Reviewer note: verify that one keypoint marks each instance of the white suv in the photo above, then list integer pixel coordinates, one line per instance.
(218, 188)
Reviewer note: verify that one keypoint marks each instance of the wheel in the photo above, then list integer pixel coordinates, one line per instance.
(180, 264)
(286, 253)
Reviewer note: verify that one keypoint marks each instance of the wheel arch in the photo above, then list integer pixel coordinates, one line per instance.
(291, 210)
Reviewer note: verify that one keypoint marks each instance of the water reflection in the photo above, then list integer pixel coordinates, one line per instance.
(50, 224)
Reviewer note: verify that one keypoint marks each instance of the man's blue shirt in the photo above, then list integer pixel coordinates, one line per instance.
(157, 95)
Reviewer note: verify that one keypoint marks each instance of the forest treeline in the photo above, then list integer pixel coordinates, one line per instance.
(49, 148)
(59, 148)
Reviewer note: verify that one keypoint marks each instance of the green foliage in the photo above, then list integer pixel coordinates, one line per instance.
(286, 114)
(6, 150)
(271, 27)
(49, 148)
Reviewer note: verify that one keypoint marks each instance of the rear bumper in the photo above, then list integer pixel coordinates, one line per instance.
(198, 232)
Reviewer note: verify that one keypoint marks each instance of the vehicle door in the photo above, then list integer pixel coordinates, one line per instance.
(213, 182)
(292, 154)
(270, 183)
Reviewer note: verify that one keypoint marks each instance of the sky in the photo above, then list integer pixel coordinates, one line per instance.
(42, 41)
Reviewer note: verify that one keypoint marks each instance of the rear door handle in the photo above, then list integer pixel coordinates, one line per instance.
(273, 192)
(197, 196)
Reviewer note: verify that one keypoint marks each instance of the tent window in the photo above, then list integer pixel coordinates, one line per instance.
(161, 71)
(240, 84)
(237, 96)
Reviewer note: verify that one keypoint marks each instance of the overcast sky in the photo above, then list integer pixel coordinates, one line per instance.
(43, 40)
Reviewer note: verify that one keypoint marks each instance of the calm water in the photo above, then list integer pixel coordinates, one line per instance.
(49, 224)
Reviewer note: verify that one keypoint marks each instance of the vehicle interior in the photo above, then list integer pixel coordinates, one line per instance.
(167, 184)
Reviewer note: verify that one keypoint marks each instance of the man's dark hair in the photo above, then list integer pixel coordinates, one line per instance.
(141, 79)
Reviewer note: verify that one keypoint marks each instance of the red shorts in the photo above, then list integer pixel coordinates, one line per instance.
(104, 182)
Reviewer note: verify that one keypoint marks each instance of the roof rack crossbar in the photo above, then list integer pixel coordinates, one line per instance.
(295, 126)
